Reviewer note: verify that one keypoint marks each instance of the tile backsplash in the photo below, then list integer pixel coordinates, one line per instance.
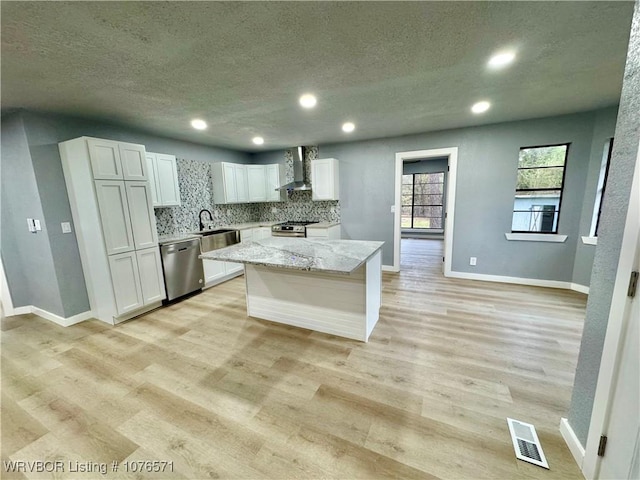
(196, 193)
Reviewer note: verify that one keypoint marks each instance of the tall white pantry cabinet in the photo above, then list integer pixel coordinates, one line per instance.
(112, 207)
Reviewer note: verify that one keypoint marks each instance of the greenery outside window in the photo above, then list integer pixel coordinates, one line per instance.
(422, 201)
(539, 188)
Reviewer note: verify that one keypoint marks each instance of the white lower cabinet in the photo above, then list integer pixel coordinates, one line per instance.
(216, 271)
(246, 235)
(151, 278)
(261, 232)
(137, 279)
(213, 270)
(232, 268)
(328, 233)
(126, 282)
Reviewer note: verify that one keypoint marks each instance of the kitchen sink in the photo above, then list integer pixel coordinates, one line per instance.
(215, 239)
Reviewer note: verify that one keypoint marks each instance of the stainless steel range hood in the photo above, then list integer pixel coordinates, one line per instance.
(299, 180)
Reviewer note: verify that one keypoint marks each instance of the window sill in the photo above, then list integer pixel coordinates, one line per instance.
(590, 240)
(536, 237)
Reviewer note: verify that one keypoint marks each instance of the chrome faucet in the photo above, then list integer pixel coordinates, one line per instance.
(200, 217)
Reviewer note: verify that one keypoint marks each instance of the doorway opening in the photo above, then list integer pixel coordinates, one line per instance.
(425, 212)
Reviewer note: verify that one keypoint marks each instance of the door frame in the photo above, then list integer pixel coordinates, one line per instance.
(452, 154)
(613, 342)
(5, 294)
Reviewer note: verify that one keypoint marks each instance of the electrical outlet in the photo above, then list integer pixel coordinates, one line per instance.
(66, 227)
(228, 211)
(473, 261)
(274, 209)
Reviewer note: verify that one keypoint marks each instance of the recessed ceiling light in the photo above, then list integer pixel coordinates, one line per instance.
(199, 124)
(502, 59)
(348, 127)
(480, 107)
(258, 140)
(308, 101)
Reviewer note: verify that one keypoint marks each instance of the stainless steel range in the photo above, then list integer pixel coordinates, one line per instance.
(290, 229)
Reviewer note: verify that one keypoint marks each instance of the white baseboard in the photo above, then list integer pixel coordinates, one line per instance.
(536, 282)
(575, 447)
(580, 288)
(20, 311)
(390, 268)
(65, 322)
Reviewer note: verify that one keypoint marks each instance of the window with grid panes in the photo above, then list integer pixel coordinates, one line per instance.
(539, 187)
(422, 200)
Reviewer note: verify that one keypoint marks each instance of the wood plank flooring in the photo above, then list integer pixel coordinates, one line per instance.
(225, 396)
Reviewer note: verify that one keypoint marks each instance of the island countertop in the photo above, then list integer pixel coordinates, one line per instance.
(331, 256)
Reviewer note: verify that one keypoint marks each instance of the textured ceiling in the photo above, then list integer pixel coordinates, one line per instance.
(392, 68)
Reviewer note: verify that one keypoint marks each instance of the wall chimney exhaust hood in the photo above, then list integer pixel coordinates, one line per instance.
(299, 180)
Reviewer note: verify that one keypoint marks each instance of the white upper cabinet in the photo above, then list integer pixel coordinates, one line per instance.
(230, 183)
(325, 184)
(163, 178)
(143, 220)
(256, 180)
(242, 187)
(168, 186)
(105, 159)
(153, 178)
(230, 194)
(117, 161)
(237, 183)
(134, 162)
(272, 181)
(114, 215)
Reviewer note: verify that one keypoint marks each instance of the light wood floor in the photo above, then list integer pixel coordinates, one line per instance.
(226, 396)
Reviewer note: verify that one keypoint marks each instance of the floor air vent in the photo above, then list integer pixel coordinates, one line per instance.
(526, 443)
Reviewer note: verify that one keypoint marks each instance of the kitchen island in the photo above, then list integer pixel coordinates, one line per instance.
(331, 286)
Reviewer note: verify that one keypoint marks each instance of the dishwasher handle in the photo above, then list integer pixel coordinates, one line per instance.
(172, 248)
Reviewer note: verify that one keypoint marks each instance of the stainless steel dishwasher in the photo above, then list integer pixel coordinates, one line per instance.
(183, 272)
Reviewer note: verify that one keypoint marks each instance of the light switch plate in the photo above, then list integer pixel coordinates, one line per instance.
(393, 209)
(31, 224)
(66, 227)
(37, 224)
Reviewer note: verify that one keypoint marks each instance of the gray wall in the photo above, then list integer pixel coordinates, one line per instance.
(486, 182)
(603, 129)
(27, 257)
(49, 274)
(614, 211)
(487, 165)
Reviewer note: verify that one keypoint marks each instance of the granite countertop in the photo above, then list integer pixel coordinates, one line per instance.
(331, 256)
(323, 225)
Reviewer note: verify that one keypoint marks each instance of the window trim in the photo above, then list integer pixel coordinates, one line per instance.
(413, 204)
(561, 189)
(601, 188)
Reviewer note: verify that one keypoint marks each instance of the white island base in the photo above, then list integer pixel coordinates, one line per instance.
(337, 304)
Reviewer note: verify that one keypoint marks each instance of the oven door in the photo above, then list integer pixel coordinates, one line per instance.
(275, 233)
